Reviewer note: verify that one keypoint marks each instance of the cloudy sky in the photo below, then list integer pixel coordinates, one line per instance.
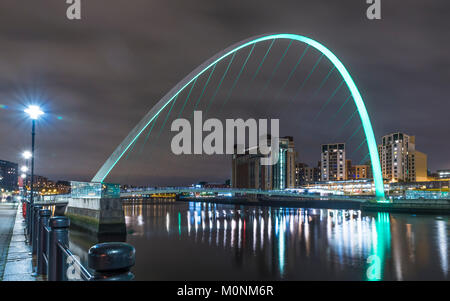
(97, 77)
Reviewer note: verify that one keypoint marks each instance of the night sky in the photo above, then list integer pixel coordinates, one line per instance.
(96, 78)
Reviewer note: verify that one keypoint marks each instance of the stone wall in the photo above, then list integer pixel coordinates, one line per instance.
(97, 215)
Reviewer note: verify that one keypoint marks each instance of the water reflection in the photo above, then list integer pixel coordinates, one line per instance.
(179, 241)
(443, 245)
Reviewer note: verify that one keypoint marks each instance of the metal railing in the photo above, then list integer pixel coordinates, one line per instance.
(49, 238)
(77, 266)
(48, 200)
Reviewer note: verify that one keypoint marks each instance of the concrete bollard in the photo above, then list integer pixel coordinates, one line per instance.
(59, 233)
(112, 261)
(44, 215)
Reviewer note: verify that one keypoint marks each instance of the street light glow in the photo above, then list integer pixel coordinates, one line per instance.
(24, 169)
(34, 112)
(23, 176)
(27, 155)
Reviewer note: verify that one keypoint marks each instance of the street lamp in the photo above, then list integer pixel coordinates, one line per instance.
(24, 169)
(34, 112)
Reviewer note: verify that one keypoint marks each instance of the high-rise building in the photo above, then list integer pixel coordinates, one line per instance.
(9, 173)
(333, 166)
(247, 171)
(393, 152)
(400, 161)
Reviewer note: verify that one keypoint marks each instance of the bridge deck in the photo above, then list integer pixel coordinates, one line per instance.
(234, 191)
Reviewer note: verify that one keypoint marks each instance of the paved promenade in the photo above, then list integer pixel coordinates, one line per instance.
(7, 217)
(18, 263)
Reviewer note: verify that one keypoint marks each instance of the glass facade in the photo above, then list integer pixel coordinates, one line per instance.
(426, 194)
(280, 169)
(94, 190)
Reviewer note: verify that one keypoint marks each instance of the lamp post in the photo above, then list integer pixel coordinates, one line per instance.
(34, 112)
(27, 156)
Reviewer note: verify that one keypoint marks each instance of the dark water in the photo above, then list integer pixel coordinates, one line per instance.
(204, 241)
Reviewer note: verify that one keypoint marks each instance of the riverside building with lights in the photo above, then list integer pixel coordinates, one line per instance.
(400, 161)
(443, 174)
(305, 174)
(247, 171)
(44, 186)
(9, 176)
(333, 166)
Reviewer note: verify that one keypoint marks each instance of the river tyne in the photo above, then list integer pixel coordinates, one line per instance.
(208, 241)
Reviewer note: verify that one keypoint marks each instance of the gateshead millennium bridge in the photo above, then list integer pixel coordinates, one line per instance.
(211, 63)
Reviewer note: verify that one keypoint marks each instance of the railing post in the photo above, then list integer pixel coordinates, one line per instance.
(32, 223)
(59, 234)
(29, 218)
(34, 228)
(112, 261)
(26, 215)
(44, 215)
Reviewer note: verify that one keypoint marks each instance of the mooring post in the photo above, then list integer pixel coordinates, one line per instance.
(59, 234)
(112, 261)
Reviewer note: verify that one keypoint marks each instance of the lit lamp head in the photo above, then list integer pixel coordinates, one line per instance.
(23, 176)
(34, 112)
(27, 155)
(24, 169)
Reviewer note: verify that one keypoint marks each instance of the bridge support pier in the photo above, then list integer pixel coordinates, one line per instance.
(96, 208)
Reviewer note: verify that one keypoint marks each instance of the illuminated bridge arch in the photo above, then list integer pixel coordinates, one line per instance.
(172, 94)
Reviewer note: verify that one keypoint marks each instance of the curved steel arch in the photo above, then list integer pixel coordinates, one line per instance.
(149, 117)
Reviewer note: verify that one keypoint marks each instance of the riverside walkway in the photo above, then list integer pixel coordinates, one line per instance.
(15, 258)
(7, 218)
